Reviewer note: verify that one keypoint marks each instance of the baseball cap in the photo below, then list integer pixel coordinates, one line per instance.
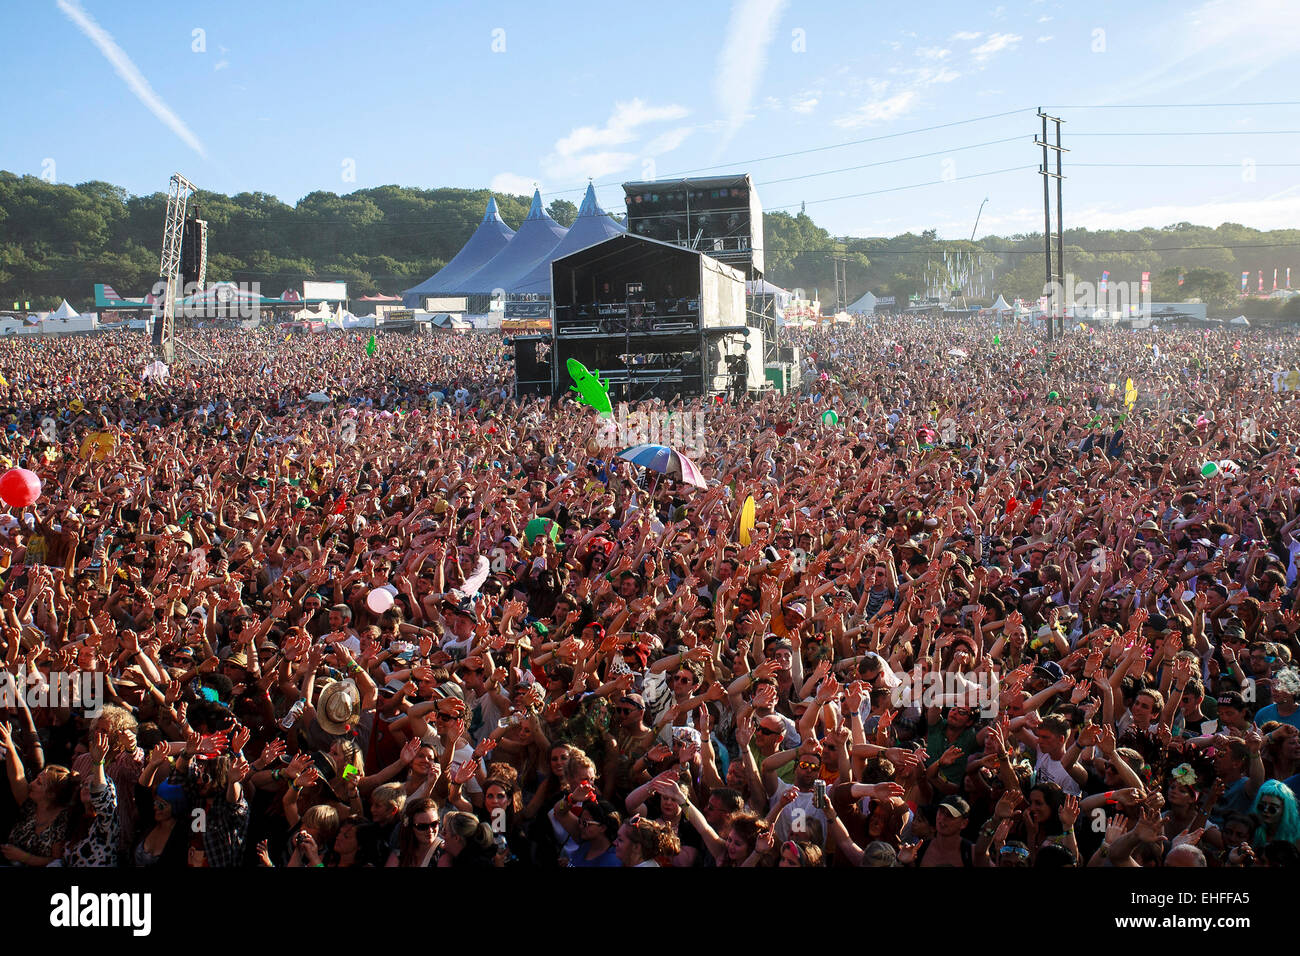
(1049, 670)
(1232, 699)
(955, 806)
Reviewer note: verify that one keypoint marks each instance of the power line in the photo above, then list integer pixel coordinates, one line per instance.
(1174, 106)
(887, 162)
(1188, 165)
(1203, 132)
(810, 150)
(894, 189)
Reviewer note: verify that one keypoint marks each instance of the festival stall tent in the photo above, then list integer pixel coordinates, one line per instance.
(781, 296)
(64, 312)
(489, 239)
(591, 226)
(865, 305)
(536, 239)
(1001, 305)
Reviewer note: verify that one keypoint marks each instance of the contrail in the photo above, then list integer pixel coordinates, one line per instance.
(129, 73)
(743, 56)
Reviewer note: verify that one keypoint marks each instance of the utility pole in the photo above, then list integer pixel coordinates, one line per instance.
(841, 283)
(1054, 272)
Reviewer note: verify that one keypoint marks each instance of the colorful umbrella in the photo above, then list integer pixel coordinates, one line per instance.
(666, 461)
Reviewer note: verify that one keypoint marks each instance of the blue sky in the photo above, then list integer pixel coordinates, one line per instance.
(291, 96)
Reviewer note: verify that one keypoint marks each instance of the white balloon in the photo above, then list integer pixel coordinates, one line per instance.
(379, 600)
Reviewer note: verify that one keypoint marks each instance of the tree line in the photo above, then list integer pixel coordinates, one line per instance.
(57, 240)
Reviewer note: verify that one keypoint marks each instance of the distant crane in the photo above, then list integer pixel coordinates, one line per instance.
(977, 219)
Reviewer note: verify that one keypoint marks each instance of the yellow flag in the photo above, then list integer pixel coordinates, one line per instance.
(1130, 393)
(4, 382)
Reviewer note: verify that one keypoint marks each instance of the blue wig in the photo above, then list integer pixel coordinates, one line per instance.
(1288, 828)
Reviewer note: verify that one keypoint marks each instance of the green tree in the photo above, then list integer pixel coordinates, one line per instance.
(563, 212)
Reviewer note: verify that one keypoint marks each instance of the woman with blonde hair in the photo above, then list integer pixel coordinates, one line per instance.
(45, 808)
(644, 842)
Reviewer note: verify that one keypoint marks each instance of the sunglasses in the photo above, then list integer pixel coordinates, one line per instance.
(683, 679)
(765, 730)
(808, 765)
(445, 718)
(624, 711)
(425, 827)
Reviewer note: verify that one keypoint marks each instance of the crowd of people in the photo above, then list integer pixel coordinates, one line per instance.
(1017, 603)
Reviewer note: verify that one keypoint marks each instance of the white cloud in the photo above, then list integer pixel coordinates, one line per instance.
(513, 184)
(966, 36)
(879, 111)
(932, 52)
(805, 106)
(619, 128)
(996, 43)
(1269, 213)
(1044, 39)
(998, 13)
(221, 65)
(667, 142)
(742, 59)
(129, 73)
(1044, 19)
(1272, 212)
(928, 77)
(585, 152)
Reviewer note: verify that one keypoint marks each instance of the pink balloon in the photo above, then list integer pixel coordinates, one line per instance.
(19, 487)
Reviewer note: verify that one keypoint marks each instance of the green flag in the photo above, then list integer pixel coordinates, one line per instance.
(371, 346)
(997, 340)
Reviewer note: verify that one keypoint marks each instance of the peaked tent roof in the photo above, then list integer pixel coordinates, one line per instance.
(64, 311)
(489, 238)
(538, 235)
(591, 226)
(867, 303)
(1001, 305)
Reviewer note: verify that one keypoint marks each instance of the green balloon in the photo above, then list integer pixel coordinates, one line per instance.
(1053, 397)
(1209, 469)
(540, 526)
(830, 417)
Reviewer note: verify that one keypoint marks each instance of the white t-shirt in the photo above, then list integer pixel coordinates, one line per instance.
(801, 809)
(1048, 769)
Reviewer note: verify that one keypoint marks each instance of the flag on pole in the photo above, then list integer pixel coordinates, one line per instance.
(1181, 277)
(1130, 393)
(371, 346)
(1104, 277)
(1275, 279)
(997, 339)
(1245, 278)
(1146, 282)
(1261, 280)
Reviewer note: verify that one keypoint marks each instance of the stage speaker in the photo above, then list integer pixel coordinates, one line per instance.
(194, 254)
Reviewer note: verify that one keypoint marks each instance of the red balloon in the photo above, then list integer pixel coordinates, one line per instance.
(19, 487)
